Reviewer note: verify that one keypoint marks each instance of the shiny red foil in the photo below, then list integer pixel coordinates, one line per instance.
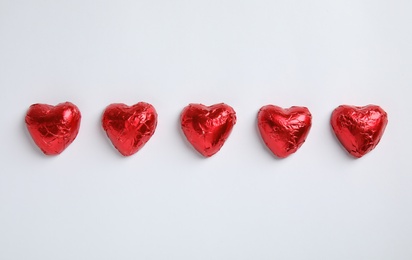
(53, 128)
(129, 127)
(284, 130)
(359, 129)
(207, 127)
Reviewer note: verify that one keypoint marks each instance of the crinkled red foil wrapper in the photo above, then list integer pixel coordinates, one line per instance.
(359, 129)
(207, 127)
(129, 128)
(53, 128)
(284, 130)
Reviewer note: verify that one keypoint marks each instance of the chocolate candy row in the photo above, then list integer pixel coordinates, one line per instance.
(129, 128)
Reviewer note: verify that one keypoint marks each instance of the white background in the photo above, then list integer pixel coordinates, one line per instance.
(167, 202)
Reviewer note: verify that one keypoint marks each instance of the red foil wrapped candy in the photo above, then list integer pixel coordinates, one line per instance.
(207, 127)
(53, 128)
(129, 127)
(284, 130)
(359, 129)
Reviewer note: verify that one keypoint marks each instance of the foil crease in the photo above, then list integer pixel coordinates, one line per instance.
(359, 129)
(207, 127)
(53, 128)
(284, 130)
(129, 127)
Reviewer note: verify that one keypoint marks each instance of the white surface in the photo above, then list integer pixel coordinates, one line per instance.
(166, 202)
